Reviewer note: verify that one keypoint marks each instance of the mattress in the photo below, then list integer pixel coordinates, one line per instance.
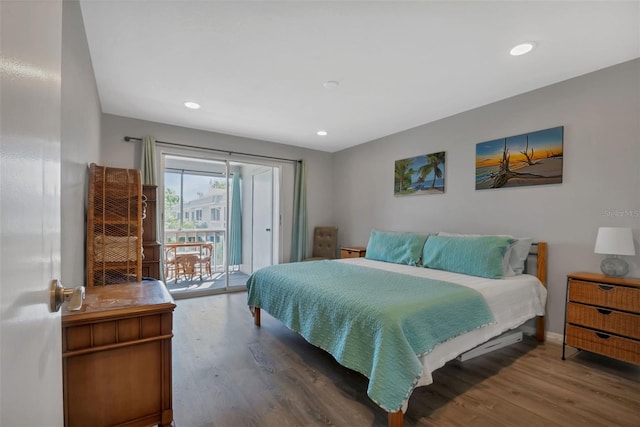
(512, 300)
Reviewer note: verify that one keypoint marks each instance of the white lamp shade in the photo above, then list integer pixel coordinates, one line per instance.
(615, 241)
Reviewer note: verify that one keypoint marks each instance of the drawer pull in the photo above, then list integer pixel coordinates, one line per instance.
(603, 311)
(603, 336)
(605, 287)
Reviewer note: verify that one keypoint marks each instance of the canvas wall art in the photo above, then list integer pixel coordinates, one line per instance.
(533, 158)
(420, 175)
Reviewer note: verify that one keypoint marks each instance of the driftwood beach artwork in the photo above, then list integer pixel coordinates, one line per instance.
(533, 158)
(420, 175)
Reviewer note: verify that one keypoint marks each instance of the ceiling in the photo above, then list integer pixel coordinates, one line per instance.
(258, 68)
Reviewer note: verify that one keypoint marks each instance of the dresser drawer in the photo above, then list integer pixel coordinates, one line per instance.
(101, 335)
(605, 295)
(620, 323)
(609, 345)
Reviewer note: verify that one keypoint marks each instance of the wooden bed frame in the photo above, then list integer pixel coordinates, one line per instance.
(396, 419)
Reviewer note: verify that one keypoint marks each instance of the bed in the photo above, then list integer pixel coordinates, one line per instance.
(412, 304)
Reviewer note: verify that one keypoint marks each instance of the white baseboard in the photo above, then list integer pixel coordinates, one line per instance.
(554, 337)
(549, 336)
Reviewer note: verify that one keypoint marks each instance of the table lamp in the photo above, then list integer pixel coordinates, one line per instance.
(614, 241)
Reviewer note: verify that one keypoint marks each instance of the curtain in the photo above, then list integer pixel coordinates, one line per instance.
(235, 225)
(148, 172)
(300, 229)
(148, 161)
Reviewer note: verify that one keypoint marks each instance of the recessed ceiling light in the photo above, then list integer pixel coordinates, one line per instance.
(192, 105)
(331, 84)
(522, 48)
(322, 133)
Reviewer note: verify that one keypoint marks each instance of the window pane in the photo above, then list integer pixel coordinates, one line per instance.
(172, 212)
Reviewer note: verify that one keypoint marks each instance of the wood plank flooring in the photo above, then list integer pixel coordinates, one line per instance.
(227, 373)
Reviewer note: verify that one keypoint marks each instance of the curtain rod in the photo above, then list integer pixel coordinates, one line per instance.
(175, 144)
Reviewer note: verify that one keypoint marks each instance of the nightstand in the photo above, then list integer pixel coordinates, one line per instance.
(353, 251)
(603, 316)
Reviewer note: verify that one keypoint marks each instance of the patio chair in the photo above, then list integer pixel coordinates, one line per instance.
(170, 265)
(205, 259)
(187, 266)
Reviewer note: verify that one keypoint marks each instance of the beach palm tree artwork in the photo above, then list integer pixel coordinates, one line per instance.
(420, 175)
(533, 158)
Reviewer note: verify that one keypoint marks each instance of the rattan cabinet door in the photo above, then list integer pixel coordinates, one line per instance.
(114, 226)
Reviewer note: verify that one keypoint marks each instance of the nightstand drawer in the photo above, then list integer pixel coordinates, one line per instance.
(605, 344)
(626, 324)
(353, 252)
(604, 295)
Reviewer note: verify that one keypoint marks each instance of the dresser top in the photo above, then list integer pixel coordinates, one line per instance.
(119, 300)
(601, 278)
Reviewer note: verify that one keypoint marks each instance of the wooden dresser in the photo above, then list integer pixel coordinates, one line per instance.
(116, 355)
(603, 316)
(353, 251)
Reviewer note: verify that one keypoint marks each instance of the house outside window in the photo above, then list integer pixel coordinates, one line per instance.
(207, 210)
(215, 214)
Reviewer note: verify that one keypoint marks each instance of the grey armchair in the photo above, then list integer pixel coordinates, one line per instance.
(325, 242)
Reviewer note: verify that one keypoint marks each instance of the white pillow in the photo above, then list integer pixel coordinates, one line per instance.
(514, 258)
(519, 254)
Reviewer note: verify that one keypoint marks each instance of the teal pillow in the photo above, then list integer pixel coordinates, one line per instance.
(399, 248)
(476, 256)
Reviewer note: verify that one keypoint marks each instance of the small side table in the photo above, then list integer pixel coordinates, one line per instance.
(603, 316)
(353, 251)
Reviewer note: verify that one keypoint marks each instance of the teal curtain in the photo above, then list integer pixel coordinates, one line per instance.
(235, 225)
(148, 161)
(300, 229)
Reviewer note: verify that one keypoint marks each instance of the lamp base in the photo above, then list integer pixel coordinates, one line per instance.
(614, 267)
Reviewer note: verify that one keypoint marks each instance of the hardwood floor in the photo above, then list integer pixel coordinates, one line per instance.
(227, 373)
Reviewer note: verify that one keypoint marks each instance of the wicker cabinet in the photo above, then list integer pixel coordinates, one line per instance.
(603, 316)
(114, 226)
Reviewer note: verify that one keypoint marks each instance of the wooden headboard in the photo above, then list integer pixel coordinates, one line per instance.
(539, 250)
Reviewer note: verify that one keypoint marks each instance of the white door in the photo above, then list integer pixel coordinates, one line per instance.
(262, 248)
(30, 87)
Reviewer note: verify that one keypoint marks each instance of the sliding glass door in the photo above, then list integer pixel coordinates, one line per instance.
(218, 222)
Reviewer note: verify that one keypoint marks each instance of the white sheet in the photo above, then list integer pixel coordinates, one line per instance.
(513, 301)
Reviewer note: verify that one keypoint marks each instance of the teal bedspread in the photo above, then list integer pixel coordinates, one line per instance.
(372, 321)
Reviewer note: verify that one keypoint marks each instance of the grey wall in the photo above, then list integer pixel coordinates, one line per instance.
(354, 188)
(600, 113)
(80, 132)
(116, 152)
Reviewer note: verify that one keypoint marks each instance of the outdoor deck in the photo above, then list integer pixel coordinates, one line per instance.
(208, 285)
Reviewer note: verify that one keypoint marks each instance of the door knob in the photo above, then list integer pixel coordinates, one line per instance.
(59, 294)
(268, 229)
